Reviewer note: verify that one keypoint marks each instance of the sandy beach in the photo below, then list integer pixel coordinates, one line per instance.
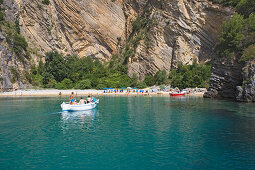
(54, 92)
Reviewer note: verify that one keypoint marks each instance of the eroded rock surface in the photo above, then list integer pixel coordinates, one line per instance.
(11, 70)
(185, 30)
(246, 93)
(225, 77)
(87, 28)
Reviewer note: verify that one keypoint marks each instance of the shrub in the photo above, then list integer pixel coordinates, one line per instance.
(83, 72)
(231, 35)
(245, 7)
(51, 83)
(134, 80)
(65, 84)
(46, 2)
(19, 43)
(56, 66)
(37, 80)
(160, 77)
(249, 54)
(149, 80)
(195, 75)
(84, 84)
(28, 76)
(15, 74)
(1, 16)
(141, 85)
(100, 86)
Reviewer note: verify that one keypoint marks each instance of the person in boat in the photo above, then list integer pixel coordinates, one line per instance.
(71, 99)
(93, 99)
(89, 99)
(82, 101)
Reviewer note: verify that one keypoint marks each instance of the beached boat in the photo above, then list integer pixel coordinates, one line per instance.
(177, 94)
(79, 107)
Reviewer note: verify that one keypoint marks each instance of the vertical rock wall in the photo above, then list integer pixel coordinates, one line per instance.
(8, 61)
(184, 30)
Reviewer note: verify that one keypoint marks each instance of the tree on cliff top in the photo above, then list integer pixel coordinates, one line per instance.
(231, 36)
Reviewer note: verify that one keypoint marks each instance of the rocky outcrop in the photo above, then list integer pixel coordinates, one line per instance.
(246, 93)
(11, 70)
(225, 77)
(184, 31)
(232, 79)
(87, 28)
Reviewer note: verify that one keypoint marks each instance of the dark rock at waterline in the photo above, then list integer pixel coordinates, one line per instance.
(226, 74)
(212, 93)
(231, 79)
(247, 93)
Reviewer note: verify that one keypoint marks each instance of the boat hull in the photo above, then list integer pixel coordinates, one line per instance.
(78, 107)
(176, 94)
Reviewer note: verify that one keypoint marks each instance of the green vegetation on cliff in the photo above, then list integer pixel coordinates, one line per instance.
(84, 73)
(195, 75)
(64, 72)
(14, 39)
(237, 38)
(81, 73)
(243, 7)
(46, 2)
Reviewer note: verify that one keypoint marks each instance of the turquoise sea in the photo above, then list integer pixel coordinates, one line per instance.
(127, 133)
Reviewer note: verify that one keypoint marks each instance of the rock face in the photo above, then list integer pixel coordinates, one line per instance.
(226, 75)
(185, 30)
(247, 92)
(10, 67)
(84, 27)
(232, 79)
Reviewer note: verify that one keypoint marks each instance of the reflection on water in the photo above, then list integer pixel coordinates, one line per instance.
(81, 119)
(160, 132)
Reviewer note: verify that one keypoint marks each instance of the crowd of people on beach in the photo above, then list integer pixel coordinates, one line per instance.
(89, 99)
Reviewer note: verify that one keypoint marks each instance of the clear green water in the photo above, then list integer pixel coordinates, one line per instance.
(127, 133)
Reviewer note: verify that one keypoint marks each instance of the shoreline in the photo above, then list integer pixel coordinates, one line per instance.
(55, 93)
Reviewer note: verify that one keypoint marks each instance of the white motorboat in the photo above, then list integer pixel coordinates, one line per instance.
(79, 107)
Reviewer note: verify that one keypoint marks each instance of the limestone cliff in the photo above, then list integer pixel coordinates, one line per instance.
(182, 30)
(232, 79)
(11, 69)
(225, 77)
(87, 28)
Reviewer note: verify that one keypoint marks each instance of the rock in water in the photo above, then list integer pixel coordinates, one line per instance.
(247, 93)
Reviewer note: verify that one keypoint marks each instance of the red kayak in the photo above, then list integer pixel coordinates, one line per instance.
(177, 94)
